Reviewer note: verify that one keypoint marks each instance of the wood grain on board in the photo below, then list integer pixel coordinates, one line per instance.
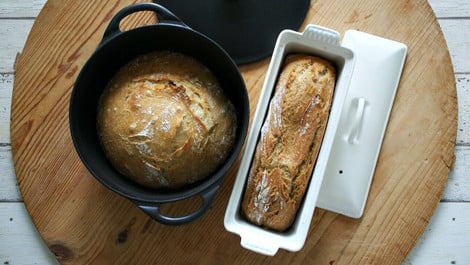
(84, 223)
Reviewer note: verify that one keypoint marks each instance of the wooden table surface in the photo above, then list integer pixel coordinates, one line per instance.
(444, 241)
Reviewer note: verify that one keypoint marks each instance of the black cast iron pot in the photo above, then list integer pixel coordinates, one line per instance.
(116, 49)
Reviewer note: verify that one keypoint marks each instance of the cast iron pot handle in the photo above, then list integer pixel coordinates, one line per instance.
(163, 15)
(154, 210)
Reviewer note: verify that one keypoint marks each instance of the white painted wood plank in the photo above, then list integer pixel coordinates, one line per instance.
(457, 35)
(463, 101)
(6, 87)
(451, 8)
(458, 184)
(20, 8)
(9, 185)
(445, 240)
(13, 34)
(20, 243)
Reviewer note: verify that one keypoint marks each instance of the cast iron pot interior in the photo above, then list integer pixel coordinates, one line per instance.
(116, 49)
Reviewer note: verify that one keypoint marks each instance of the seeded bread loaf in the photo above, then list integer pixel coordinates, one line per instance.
(290, 141)
(164, 121)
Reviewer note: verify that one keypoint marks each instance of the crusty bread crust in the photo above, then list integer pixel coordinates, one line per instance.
(290, 141)
(164, 121)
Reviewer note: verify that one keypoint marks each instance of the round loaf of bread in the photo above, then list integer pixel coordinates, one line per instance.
(164, 121)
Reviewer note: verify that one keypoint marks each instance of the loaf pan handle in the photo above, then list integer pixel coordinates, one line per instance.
(154, 210)
(163, 15)
(322, 34)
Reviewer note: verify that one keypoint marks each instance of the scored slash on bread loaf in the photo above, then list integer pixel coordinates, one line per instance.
(164, 121)
(289, 142)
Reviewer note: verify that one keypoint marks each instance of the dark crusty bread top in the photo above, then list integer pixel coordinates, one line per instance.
(290, 141)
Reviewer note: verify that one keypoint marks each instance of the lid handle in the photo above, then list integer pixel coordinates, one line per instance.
(353, 134)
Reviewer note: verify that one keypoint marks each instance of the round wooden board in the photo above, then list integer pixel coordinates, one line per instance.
(84, 223)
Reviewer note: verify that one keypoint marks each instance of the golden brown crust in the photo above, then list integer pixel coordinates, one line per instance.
(164, 121)
(289, 142)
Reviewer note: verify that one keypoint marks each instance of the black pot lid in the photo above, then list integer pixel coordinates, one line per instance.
(246, 29)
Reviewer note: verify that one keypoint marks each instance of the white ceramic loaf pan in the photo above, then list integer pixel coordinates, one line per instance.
(317, 41)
